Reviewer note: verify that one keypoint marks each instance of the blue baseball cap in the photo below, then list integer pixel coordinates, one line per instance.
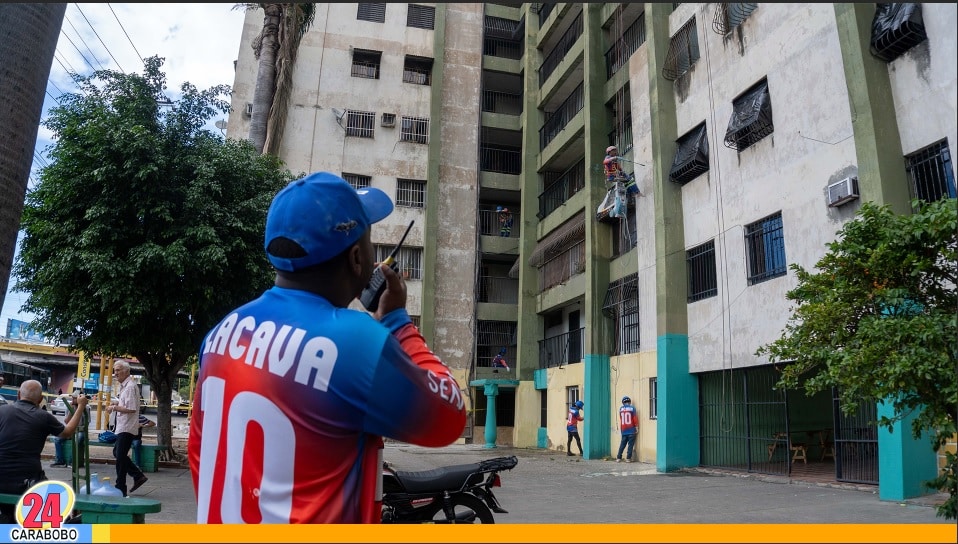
(324, 215)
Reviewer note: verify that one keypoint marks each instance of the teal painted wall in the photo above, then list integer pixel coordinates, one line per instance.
(542, 440)
(904, 462)
(677, 438)
(598, 397)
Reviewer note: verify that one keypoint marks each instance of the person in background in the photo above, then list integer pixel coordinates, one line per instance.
(628, 427)
(138, 441)
(499, 361)
(59, 457)
(24, 428)
(572, 427)
(505, 221)
(297, 389)
(126, 407)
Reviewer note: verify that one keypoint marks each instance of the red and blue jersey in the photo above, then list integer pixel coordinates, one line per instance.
(572, 423)
(293, 399)
(628, 420)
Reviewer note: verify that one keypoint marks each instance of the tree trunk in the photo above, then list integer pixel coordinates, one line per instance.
(265, 75)
(28, 39)
(162, 370)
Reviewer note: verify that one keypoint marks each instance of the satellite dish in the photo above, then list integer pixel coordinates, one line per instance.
(221, 124)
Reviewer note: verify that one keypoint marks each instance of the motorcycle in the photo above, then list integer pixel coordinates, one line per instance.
(452, 494)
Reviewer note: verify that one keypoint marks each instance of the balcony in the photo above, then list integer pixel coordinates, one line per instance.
(560, 189)
(563, 349)
(504, 160)
(561, 117)
(558, 53)
(498, 289)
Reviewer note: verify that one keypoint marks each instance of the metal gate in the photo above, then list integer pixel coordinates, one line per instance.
(856, 442)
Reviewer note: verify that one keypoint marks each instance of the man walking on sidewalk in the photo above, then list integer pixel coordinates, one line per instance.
(127, 410)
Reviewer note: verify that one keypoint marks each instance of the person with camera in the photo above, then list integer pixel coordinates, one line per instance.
(24, 429)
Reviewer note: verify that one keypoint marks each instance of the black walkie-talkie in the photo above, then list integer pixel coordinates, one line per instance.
(377, 283)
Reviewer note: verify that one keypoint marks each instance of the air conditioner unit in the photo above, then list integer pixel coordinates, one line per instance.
(249, 109)
(843, 191)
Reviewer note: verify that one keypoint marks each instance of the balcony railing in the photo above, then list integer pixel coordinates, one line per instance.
(622, 138)
(618, 55)
(501, 160)
(558, 53)
(562, 349)
(561, 117)
(559, 190)
(502, 102)
(562, 267)
(498, 290)
(545, 11)
(498, 47)
(489, 224)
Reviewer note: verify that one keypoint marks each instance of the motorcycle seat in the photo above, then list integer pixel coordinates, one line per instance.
(451, 478)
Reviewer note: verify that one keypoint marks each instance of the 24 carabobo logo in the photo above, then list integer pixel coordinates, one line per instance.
(42, 511)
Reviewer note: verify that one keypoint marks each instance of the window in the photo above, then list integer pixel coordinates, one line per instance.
(388, 120)
(415, 129)
(653, 398)
(361, 124)
(492, 336)
(417, 70)
(421, 16)
(624, 237)
(411, 192)
(415, 320)
(683, 52)
(622, 305)
(571, 394)
(765, 248)
(408, 258)
(358, 181)
(751, 118)
(372, 12)
(700, 267)
(729, 16)
(896, 29)
(931, 172)
(543, 408)
(691, 156)
(366, 63)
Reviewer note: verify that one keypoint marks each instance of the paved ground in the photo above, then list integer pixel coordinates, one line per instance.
(550, 487)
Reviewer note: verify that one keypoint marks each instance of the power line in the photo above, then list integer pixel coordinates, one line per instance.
(101, 39)
(138, 55)
(84, 42)
(77, 48)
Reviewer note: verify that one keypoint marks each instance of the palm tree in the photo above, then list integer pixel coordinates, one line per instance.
(28, 40)
(284, 26)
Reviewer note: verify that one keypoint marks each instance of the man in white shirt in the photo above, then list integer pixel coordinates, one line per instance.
(127, 410)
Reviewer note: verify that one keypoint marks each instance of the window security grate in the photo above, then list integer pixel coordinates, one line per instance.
(361, 124)
(751, 118)
(729, 16)
(700, 266)
(691, 156)
(421, 16)
(622, 305)
(931, 172)
(358, 181)
(388, 120)
(415, 129)
(417, 70)
(409, 259)
(366, 63)
(653, 398)
(411, 193)
(765, 247)
(896, 28)
(375, 12)
(683, 52)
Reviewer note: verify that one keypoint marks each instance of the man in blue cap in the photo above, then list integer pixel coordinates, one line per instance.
(297, 390)
(505, 221)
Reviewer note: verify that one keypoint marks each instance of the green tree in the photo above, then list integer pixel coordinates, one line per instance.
(28, 39)
(878, 321)
(146, 228)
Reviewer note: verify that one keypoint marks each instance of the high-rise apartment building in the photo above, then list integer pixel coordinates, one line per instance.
(754, 131)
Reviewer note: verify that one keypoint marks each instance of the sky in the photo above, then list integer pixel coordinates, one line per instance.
(198, 41)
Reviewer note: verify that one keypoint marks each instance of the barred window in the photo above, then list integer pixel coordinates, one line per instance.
(421, 16)
(366, 63)
(751, 118)
(491, 337)
(572, 394)
(417, 70)
(683, 52)
(624, 236)
(361, 124)
(729, 16)
(931, 172)
(415, 129)
(653, 398)
(700, 267)
(765, 247)
(409, 259)
(358, 181)
(411, 192)
(622, 305)
(691, 156)
(375, 12)
(415, 320)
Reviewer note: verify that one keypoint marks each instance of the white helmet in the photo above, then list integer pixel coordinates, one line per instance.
(611, 148)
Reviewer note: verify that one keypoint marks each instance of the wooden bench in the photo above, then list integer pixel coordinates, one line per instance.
(148, 461)
(105, 509)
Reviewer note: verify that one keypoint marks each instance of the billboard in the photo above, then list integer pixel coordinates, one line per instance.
(20, 330)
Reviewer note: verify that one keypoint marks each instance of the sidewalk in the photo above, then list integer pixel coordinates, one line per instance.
(549, 487)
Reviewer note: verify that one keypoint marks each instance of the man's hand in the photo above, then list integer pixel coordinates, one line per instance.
(394, 296)
(82, 401)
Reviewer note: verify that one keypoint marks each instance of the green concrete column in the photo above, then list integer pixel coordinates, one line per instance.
(491, 390)
(904, 463)
(598, 397)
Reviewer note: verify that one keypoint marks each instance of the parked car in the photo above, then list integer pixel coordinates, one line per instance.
(58, 407)
(183, 408)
